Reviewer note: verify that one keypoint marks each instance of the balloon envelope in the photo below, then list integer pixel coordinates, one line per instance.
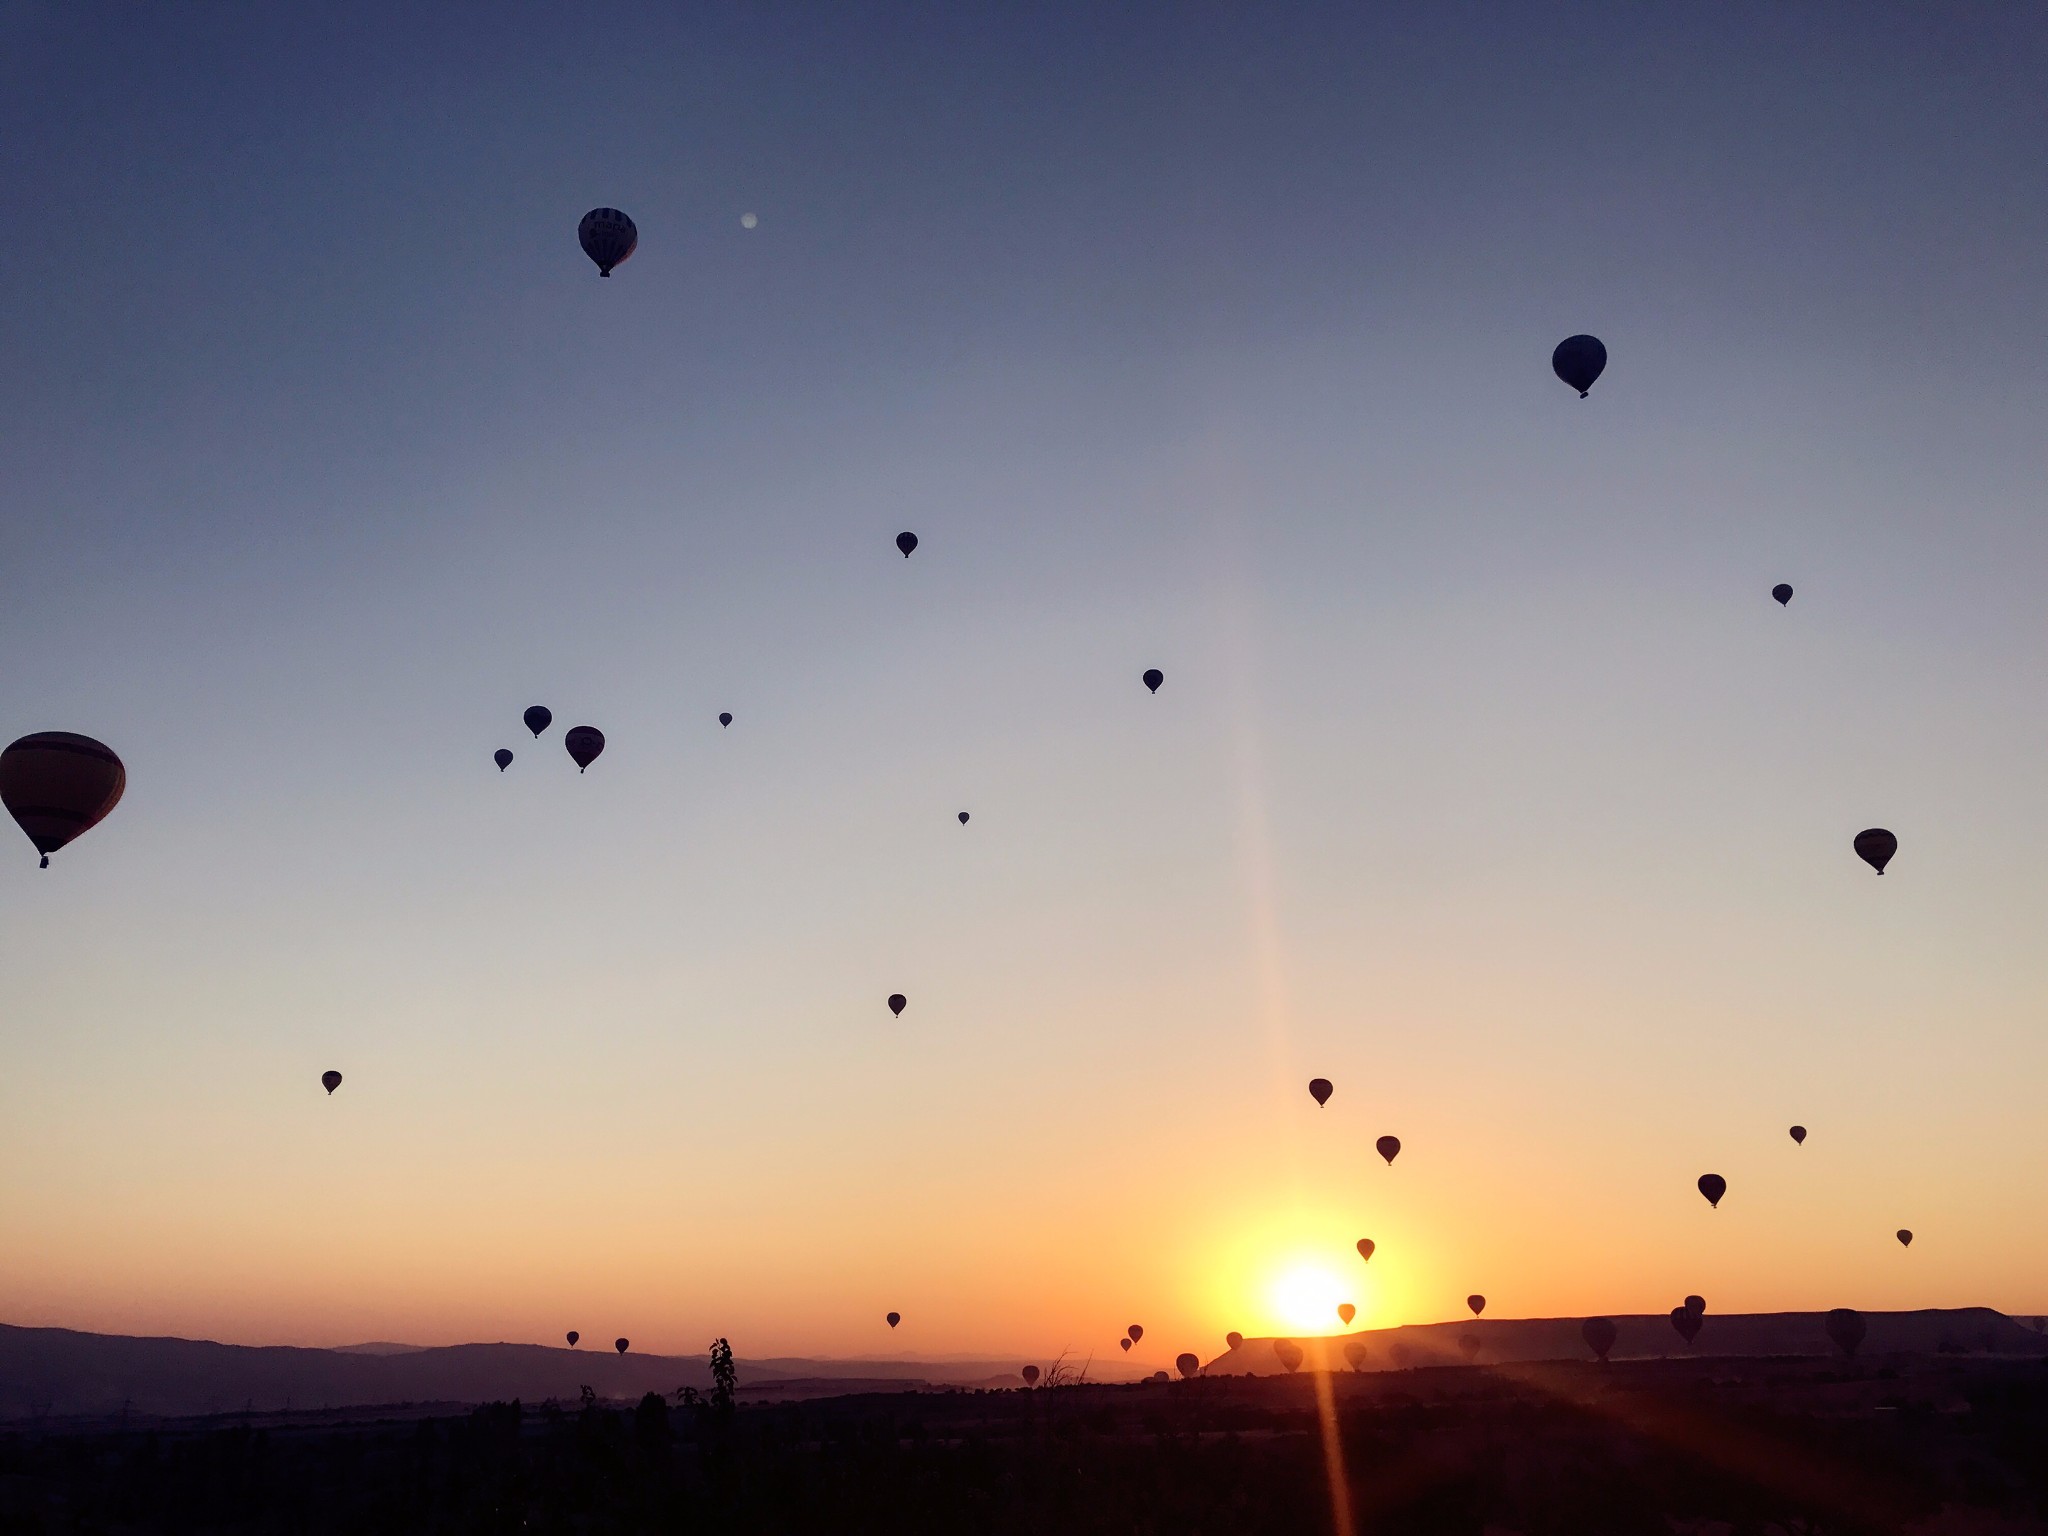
(538, 718)
(1346, 1311)
(57, 786)
(1845, 1329)
(608, 237)
(1365, 1247)
(897, 1003)
(1469, 1343)
(894, 1318)
(1355, 1352)
(1388, 1147)
(1799, 1134)
(330, 1080)
(1713, 1186)
(621, 1345)
(1476, 1303)
(1579, 360)
(503, 758)
(1875, 847)
(1233, 1339)
(724, 718)
(1153, 678)
(1687, 1322)
(906, 542)
(1696, 1305)
(573, 1337)
(1030, 1375)
(1319, 1089)
(1782, 592)
(584, 743)
(1598, 1332)
(1124, 1345)
(1187, 1365)
(1289, 1353)
(1135, 1332)
(1905, 1238)
(963, 818)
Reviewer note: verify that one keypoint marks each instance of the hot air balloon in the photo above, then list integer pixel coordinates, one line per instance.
(57, 786)
(906, 542)
(1233, 1339)
(1320, 1090)
(894, 1318)
(1697, 1305)
(1469, 1343)
(1365, 1247)
(1687, 1322)
(1713, 1186)
(573, 1337)
(607, 237)
(1799, 1134)
(622, 1345)
(724, 719)
(897, 1003)
(1598, 1332)
(503, 758)
(1476, 1303)
(584, 743)
(1578, 360)
(1875, 847)
(330, 1080)
(1389, 1147)
(1845, 1328)
(538, 718)
(1030, 1375)
(963, 818)
(1135, 1332)
(1355, 1352)
(1905, 1238)
(1124, 1345)
(1153, 678)
(1782, 592)
(1289, 1353)
(1346, 1312)
(1187, 1365)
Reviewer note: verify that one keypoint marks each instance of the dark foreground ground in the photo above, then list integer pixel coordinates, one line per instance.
(1944, 1445)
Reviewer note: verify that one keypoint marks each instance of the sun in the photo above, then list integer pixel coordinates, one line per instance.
(1305, 1298)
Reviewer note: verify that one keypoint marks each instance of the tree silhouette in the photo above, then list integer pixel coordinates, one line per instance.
(725, 1380)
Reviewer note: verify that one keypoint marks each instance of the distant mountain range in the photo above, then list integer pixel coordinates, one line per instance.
(58, 1373)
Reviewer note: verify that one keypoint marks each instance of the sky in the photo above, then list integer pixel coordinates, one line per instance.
(1486, 781)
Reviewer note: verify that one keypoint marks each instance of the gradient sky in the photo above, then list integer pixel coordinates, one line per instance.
(1487, 779)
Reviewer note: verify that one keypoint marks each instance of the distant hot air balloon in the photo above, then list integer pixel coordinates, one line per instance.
(1289, 1353)
(1346, 1312)
(963, 818)
(1469, 1343)
(1905, 1238)
(1388, 1147)
(622, 1345)
(897, 1003)
(894, 1318)
(1687, 1322)
(1320, 1090)
(1782, 592)
(330, 1080)
(538, 718)
(608, 237)
(1356, 1353)
(1845, 1328)
(1578, 360)
(1713, 1186)
(573, 1337)
(1799, 1134)
(1187, 1365)
(1030, 1374)
(1598, 1332)
(1135, 1332)
(1233, 1339)
(584, 743)
(58, 786)
(1875, 847)
(1124, 1345)
(724, 718)
(1697, 1305)
(1476, 1303)
(1365, 1247)
(906, 542)
(503, 758)
(1153, 678)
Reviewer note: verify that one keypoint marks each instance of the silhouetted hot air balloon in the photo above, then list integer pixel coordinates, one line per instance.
(608, 237)
(724, 719)
(538, 718)
(1153, 678)
(1365, 1247)
(897, 1003)
(1782, 592)
(893, 1319)
(573, 1337)
(1905, 1238)
(58, 786)
(330, 1080)
(1875, 847)
(1598, 1332)
(906, 542)
(1124, 1345)
(584, 743)
(1356, 1353)
(1476, 1303)
(1030, 1375)
(621, 1345)
(1136, 1333)
(1233, 1339)
(1713, 1186)
(1578, 360)
(1388, 1147)
(963, 818)
(1697, 1305)
(1687, 1322)
(1187, 1365)
(1319, 1089)
(1845, 1328)
(1289, 1353)
(1799, 1134)
(1469, 1343)
(1346, 1312)
(503, 758)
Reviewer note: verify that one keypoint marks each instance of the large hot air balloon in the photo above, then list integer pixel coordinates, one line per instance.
(724, 718)
(1578, 360)
(1905, 1238)
(1365, 1247)
(57, 786)
(1598, 1332)
(1356, 1353)
(608, 237)
(622, 1345)
(893, 1319)
(1233, 1339)
(584, 743)
(1782, 592)
(330, 1080)
(1845, 1328)
(1875, 847)
(1388, 1147)
(1319, 1089)
(1136, 1333)
(897, 1003)
(538, 718)
(1346, 1312)
(1687, 1322)
(1476, 1303)
(1799, 1134)
(1030, 1374)
(1469, 1343)
(1124, 1345)
(1713, 1186)
(1187, 1365)
(1697, 1305)
(906, 542)
(1153, 678)
(1289, 1353)
(963, 818)
(573, 1337)
(503, 758)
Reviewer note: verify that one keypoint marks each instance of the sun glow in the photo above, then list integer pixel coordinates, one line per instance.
(1305, 1298)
